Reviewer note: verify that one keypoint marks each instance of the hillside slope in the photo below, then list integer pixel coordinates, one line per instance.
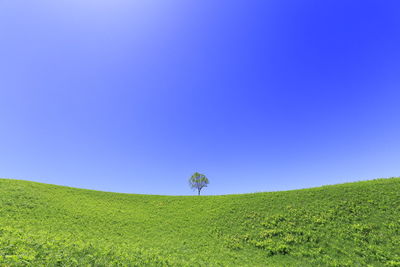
(340, 225)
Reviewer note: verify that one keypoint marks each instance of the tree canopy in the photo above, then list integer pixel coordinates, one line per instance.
(198, 181)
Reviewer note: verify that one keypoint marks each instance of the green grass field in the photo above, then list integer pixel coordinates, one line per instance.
(354, 224)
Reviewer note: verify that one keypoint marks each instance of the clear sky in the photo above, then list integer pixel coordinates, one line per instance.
(136, 95)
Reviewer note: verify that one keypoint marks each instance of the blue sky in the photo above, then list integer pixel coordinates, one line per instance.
(135, 96)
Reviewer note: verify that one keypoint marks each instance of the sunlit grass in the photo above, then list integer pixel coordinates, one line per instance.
(355, 224)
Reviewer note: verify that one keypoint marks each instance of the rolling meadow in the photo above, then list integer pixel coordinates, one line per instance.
(353, 224)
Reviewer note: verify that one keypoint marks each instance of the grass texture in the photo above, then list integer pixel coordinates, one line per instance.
(354, 224)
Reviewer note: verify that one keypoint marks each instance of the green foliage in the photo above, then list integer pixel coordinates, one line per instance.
(198, 181)
(355, 224)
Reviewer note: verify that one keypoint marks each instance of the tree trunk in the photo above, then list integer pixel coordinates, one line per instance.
(198, 191)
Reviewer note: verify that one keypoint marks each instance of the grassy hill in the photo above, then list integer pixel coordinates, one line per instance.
(354, 224)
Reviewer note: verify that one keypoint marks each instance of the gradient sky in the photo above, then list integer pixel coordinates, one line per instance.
(136, 95)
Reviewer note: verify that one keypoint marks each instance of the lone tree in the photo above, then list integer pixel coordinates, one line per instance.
(198, 181)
